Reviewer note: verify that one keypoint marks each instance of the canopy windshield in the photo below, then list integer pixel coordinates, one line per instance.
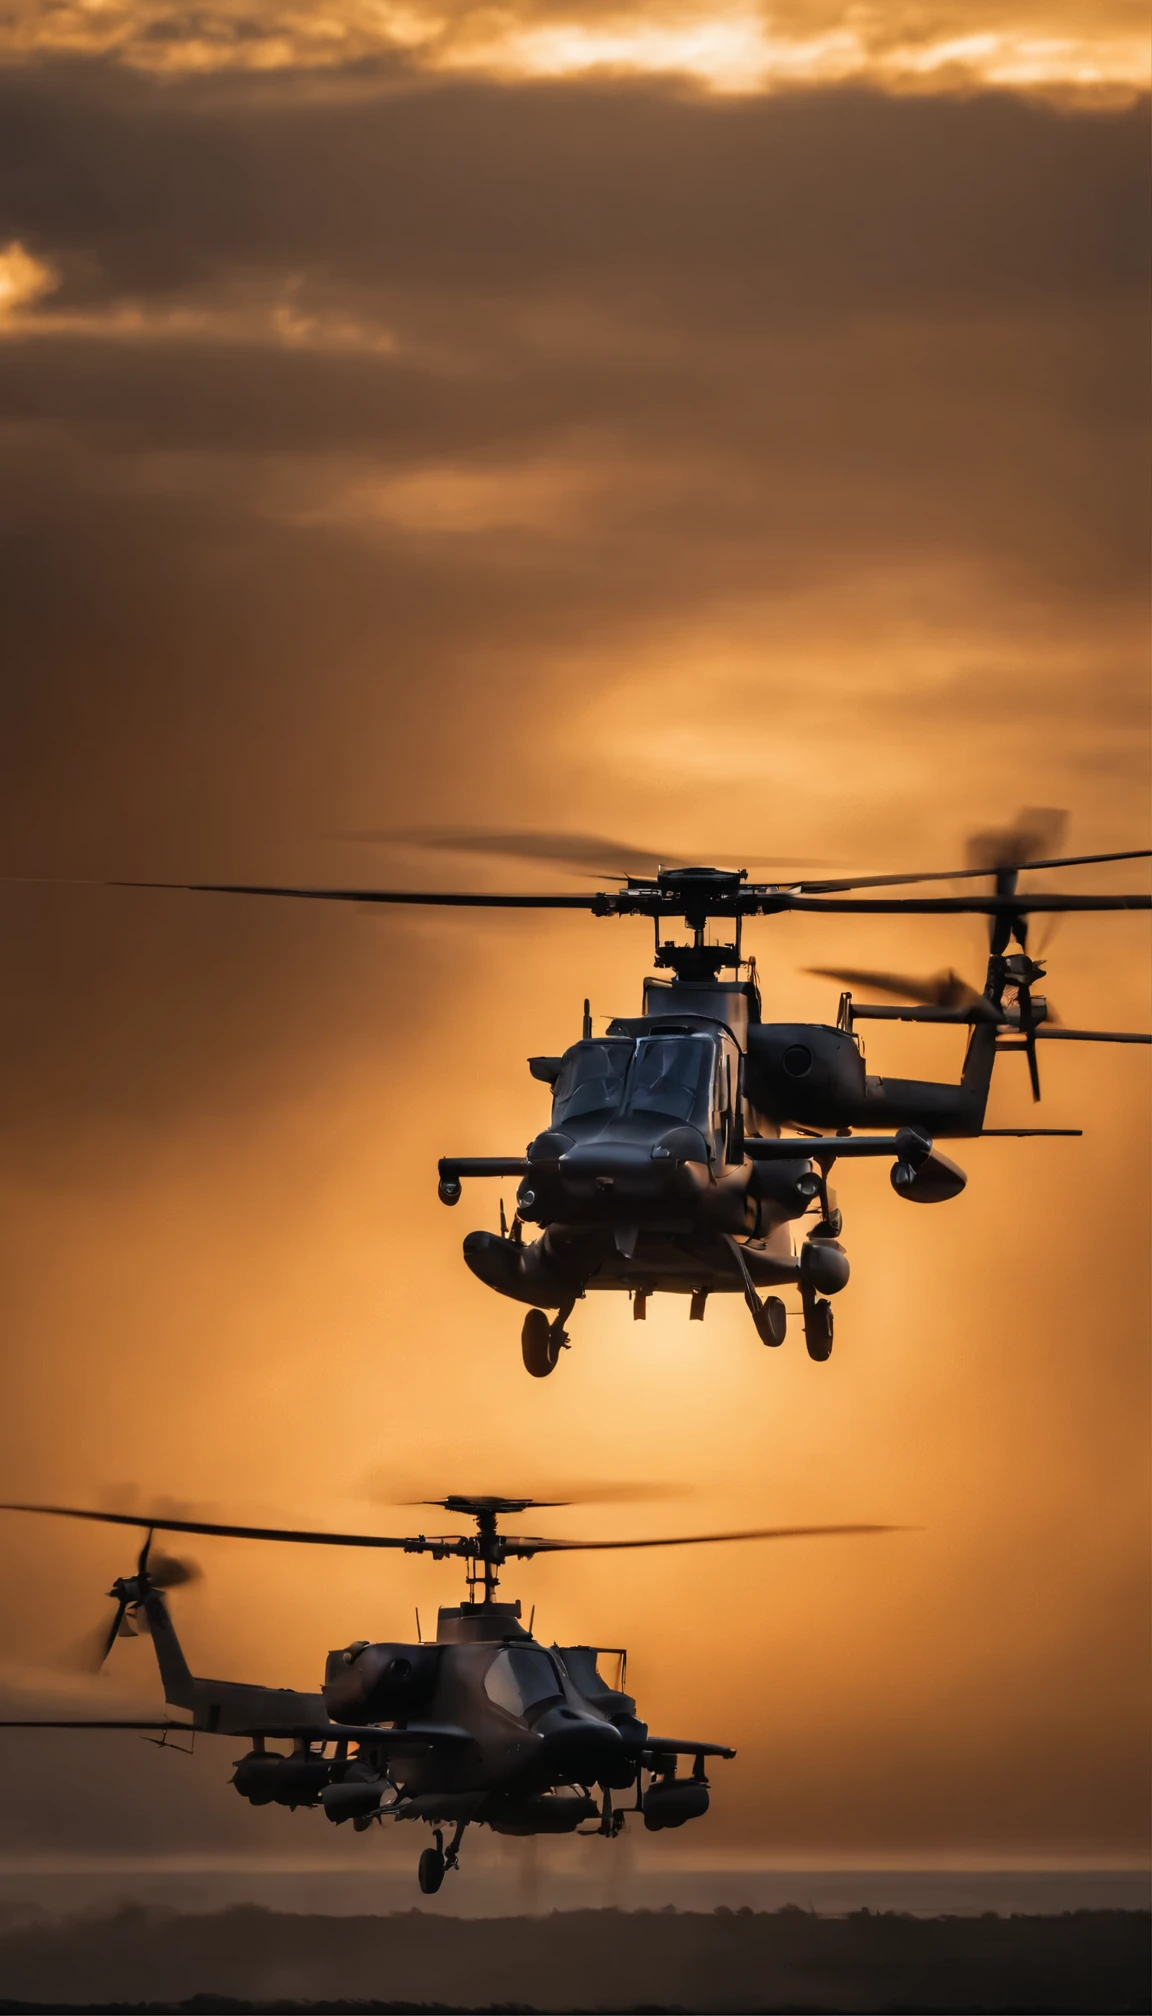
(666, 1077)
(673, 1077)
(520, 1678)
(591, 1079)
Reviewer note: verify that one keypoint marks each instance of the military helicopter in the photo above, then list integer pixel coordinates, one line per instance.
(664, 1167)
(482, 1726)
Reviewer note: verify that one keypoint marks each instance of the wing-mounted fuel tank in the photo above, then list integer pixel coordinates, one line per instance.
(380, 1683)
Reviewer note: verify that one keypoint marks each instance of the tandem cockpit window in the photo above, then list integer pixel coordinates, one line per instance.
(520, 1677)
(673, 1077)
(670, 1076)
(591, 1079)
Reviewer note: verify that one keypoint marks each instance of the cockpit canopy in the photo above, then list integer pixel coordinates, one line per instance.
(666, 1076)
(677, 1078)
(522, 1678)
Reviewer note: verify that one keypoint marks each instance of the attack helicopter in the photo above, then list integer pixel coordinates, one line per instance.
(481, 1726)
(666, 1166)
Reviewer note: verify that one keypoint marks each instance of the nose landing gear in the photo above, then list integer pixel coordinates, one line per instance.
(822, 1265)
(818, 1326)
(435, 1863)
(769, 1315)
(541, 1340)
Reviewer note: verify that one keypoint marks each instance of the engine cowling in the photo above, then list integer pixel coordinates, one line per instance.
(380, 1683)
(804, 1072)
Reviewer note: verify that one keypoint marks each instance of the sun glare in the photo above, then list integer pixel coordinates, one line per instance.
(23, 280)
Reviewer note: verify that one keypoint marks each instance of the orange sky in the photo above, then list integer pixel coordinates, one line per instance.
(1048, 46)
(470, 435)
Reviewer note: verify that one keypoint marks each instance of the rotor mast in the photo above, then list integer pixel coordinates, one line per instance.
(485, 1557)
(700, 894)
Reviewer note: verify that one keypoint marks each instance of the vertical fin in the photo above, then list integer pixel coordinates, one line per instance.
(976, 1076)
(179, 1684)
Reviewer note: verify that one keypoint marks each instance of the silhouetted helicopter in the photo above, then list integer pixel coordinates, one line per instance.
(483, 1726)
(664, 1167)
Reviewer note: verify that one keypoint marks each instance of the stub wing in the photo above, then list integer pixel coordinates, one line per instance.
(679, 1746)
(398, 1742)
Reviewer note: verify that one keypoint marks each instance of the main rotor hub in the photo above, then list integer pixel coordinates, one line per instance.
(696, 895)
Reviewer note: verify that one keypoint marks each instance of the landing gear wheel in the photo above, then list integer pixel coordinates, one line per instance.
(430, 1871)
(818, 1325)
(539, 1344)
(771, 1320)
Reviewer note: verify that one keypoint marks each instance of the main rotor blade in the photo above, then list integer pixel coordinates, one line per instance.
(963, 874)
(756, 899)
(957, 906)
(452, 1543)
(587, 853)
(457, 899)
(1047, 1035)
(935, 990)
(42, 1723)
(526, 1548)
(414, 1545)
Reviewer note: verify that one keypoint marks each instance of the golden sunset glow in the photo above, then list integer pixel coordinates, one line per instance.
(718, 428)
(1050, 47)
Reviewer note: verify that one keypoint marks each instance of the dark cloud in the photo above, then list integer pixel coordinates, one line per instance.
(688, 354)
(811, 205)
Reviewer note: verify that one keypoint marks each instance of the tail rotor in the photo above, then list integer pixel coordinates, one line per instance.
(1038, 834)
(128, 1592)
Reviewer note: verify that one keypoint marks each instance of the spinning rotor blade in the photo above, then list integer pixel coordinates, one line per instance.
(526, 1548)
(938, 990)
(749, 900)
(162, 1571)
(1038, 831)
(167, 1571)
(89, 1654)
(962, 874)
(961, 906)
(160, 1525)
(579, 1493)
(454, 898)
(1045, 1034)
(452, 1543)
(585, 853)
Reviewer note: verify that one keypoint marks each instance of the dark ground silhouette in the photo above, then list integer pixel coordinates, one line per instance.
(135, 1957)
